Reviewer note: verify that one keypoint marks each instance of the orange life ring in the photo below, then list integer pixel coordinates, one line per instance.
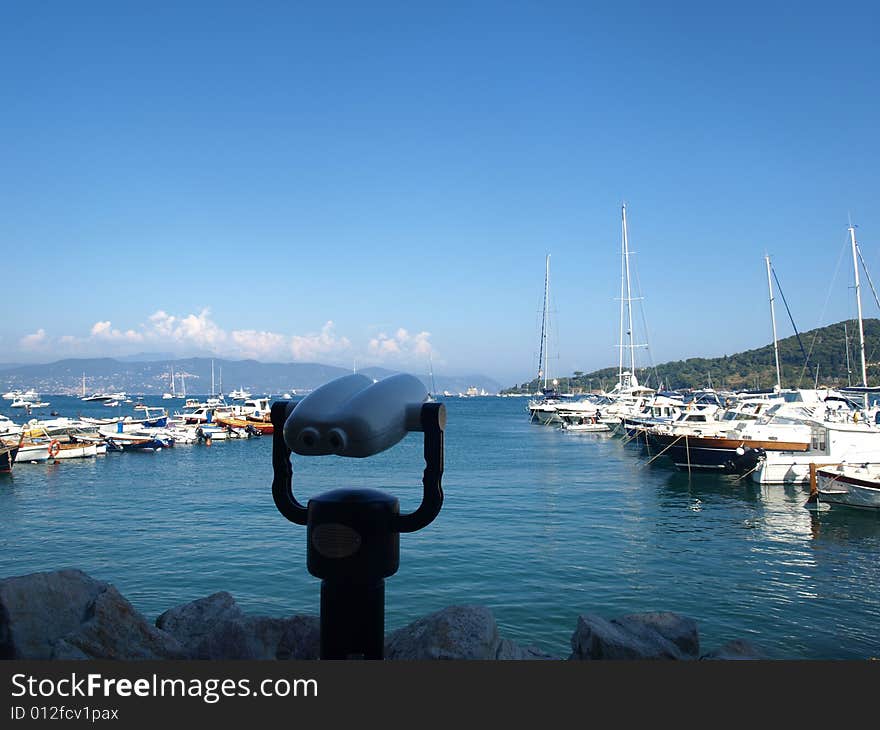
(54, 448)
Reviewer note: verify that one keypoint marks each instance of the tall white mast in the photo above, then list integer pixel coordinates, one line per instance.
(173, 392)
(852, 238)
(773, 320)
(84, 385)
(545, 327)
(632, 346)
(212, 377)
(622, 302)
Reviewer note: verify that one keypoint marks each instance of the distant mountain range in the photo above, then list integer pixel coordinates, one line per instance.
(152, 376)
(826, 355)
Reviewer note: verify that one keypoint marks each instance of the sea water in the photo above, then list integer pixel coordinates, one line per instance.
(540, 525)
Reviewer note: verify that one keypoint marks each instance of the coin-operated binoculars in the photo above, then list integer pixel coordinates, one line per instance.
(353, 535)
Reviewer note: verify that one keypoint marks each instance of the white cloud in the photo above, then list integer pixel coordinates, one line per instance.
(401, 345)
(36, 341)
(105, 331)
(198, 333)
(310, 347)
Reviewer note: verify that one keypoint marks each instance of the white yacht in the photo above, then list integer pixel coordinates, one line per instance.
(254, 409)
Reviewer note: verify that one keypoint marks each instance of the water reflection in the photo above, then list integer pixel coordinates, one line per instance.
(844, 525)
(705, 487)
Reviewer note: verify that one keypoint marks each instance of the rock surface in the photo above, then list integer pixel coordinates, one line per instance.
(636, 636)
(113, 629)
(215, 627)
(457, 632)
(67, 614)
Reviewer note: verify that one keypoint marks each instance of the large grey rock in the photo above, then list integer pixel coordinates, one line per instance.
(113, 629)
(636, 636)
(68, 614)
(738, 649)
(191, 622)
(215, 627)
(37, 610)
(457, 632)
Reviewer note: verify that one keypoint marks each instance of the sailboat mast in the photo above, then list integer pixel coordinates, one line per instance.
(84, 385)
(773, 320)
(212, 377)
(622, 300)
(173, 392)
(431, 369)
(852, 238)
(632, 346)
(545, 326)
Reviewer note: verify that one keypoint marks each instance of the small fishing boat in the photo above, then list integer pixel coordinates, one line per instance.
(851, 485)
(39, 444)
(260, 427)
(207, 433)
(137, 441)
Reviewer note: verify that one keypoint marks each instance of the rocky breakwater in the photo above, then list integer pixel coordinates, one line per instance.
(67, 614)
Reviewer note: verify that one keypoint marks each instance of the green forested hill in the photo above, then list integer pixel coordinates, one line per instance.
(825, 346)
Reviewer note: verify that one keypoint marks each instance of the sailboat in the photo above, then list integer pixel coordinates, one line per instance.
(543, 409)
(216, 400)
(172, 394)
(432, 396)
(627, 396)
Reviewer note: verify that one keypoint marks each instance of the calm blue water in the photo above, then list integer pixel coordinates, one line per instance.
(538, 524)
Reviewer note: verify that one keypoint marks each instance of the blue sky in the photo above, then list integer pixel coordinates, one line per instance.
(376, 182)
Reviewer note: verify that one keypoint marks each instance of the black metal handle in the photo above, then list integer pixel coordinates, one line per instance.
(282, 482)
(433, 417)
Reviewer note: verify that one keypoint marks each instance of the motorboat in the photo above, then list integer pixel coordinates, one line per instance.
(8, 427)
(144, 440)
(582, 422)
(852, 485)
(254, 409)
(836, 436)
(98, 397)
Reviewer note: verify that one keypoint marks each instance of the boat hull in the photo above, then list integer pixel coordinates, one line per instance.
(730, 456)
(262, 427)
(7, 458)
(846, 490)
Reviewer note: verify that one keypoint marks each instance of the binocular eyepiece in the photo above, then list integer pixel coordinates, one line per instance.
(353, 416)
(353, 535)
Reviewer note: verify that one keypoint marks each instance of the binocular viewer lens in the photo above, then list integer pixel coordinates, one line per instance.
(353, 416)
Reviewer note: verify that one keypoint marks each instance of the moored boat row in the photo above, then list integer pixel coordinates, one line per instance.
(825, 438)
(53, 440)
